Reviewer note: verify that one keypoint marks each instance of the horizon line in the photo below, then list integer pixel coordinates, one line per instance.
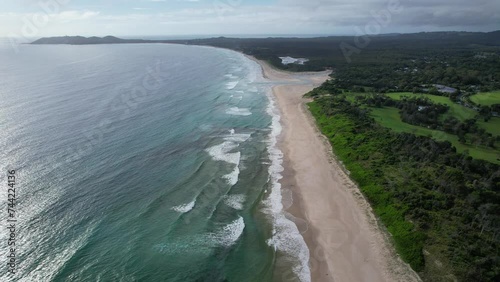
(256, 35)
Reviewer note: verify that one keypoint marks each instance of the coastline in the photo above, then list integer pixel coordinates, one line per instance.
(345, 241)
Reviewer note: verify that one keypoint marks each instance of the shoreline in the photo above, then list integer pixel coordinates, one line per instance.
(344, 238)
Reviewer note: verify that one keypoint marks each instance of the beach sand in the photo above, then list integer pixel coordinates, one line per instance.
(345, 241)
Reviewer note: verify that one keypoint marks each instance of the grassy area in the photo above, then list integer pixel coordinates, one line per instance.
(389, 117)
(458, 111)
(492, 126)
(486, 99)
(351, 96)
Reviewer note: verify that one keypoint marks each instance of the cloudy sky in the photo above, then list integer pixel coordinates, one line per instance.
(37, 18)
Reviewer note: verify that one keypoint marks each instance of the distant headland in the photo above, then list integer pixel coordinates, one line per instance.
(80, 40)
(487, 38)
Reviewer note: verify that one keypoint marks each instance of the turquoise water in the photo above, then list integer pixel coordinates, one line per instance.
(143, 163)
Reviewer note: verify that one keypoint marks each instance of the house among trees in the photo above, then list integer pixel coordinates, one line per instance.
(445, 89)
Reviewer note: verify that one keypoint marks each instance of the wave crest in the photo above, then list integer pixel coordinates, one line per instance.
(184, 208)
(235, 111)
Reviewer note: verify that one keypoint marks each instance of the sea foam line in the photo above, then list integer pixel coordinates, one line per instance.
(230, 233)
(286, 236)
(231, 85)
(225, 152)
(233, 176)
(185, 207)
(235, 111)
(235, 201)
(222, 151)
(225, 236)
(231, 76)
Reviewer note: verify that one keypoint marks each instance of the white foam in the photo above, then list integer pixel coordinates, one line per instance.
(286, 236)
(231, 76)
(287, 239)
(235, 201)
(230, 233)
(238, 98)
(222, 151)
(232, 178)
(240, 138)
(226, 152)
(185, 207)
(235, 111)
(226, 236)
(231, 85)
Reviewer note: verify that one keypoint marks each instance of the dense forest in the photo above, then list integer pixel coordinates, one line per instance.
(398, 62)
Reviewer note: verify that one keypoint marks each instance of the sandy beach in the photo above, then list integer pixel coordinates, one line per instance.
(344, 238)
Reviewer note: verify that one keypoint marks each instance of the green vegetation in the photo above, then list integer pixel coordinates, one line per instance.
(457, 111)
(470, 131)
(441, 207)
(390, 118)
(486, 99)
(492, 126)
(337, 128)
(463, 60)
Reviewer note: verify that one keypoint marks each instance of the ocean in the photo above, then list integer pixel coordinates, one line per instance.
(143, 162)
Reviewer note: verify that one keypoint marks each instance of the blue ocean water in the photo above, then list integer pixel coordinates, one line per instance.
(145, 162)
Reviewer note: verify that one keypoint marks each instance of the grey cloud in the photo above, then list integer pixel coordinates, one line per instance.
(423, 13)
